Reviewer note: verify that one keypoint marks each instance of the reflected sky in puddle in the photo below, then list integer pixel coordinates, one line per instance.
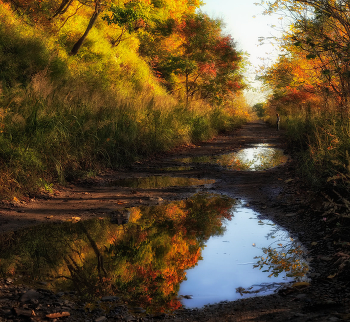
(154, 182)
(208, 238)
(256, 158)
(227, 270)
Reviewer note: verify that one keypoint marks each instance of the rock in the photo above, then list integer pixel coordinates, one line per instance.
(30, 295)
(291, 215)
(24, 312)
(301, 296)
(101, 319)
(9, 280)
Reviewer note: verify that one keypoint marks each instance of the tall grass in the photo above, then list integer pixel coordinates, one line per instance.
(321, 140)
(56, 138)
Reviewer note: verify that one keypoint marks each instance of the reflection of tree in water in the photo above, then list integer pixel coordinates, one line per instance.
(143, 261)
(286, 258)
(253, 159)
(262, 159)
(274, 232)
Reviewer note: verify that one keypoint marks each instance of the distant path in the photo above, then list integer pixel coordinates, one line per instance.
(95, 197)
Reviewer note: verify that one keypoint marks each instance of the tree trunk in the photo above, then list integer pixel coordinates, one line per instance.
(63, 7)
(92, 21)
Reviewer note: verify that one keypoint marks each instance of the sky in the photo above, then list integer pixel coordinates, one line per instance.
(245, 23)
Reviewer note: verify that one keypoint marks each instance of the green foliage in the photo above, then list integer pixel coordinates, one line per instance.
(259, 109)
(63, 116)
(133, 15)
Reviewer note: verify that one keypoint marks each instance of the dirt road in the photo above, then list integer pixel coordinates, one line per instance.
(276, 193)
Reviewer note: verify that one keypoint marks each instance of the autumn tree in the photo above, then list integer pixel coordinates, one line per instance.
(321, 30)
(195, 58)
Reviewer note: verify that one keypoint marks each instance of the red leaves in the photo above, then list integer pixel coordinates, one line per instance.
(208, 68)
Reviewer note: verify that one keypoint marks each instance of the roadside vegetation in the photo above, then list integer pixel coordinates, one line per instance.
(90, 85)
(310, 85)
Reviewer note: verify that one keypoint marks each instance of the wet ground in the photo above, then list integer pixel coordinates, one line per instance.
(277, 194)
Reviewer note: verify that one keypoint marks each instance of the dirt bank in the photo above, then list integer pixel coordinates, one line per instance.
(277, 194)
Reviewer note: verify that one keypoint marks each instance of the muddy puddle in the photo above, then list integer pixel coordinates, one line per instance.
(154, 182)
(255, 158)
(204, 248)
(252, 257)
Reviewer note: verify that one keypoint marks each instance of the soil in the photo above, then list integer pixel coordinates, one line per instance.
(278, 194)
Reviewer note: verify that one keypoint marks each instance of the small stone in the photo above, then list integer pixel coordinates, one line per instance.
(9, 280)
(30, 295)
(101, 319)
(291, 215)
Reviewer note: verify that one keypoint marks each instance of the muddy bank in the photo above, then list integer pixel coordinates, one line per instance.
(277, 194)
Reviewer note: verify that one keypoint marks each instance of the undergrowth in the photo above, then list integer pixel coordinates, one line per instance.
(62, 117)
(321, 144)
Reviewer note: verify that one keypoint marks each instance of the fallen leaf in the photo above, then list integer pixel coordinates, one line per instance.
(288, 180)
(331, 276)
(313, 243)
(16, 200)
(57, 315)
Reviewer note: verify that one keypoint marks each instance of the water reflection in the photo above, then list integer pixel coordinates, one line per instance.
(256, 158)
(154, 182)
(143, 261)
(194, 252)
(227, 269)
(283, 258)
